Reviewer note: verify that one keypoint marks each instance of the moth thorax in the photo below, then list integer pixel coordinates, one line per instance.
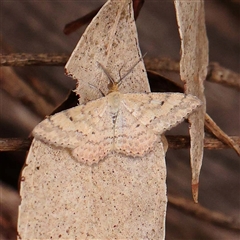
(114, 101)
(112, 87)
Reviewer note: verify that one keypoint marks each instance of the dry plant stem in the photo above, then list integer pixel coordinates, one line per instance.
(153, 64)
(224, 76)
(28, 59)
(76, 24)
(174, 142)
(212, 126)
(37, 100)
(161, 64)
(204, 214)
(14, 144)
(216, 73)
(178, 142)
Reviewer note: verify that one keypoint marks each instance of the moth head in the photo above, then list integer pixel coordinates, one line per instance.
(114, 86)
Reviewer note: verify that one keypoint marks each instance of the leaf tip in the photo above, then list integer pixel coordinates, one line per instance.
(195, 191)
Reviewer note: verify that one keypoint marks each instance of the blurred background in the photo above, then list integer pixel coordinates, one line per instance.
(27, 94)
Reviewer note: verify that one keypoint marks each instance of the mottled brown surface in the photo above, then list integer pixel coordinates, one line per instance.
(36, 27)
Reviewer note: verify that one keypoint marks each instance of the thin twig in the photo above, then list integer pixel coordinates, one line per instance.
(219, 74)
(29, 59)
(76, 24)
(161, 64)
(14, 144)
(174, 142)
(153, 64)
(178, 142)
(217, 131)
(203, 213)
(216, 73)
(37, 97)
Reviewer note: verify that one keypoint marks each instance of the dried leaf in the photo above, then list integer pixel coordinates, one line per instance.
(113, 199)
(114, 45)
(74, 25)
(121, 197)
(193, 71)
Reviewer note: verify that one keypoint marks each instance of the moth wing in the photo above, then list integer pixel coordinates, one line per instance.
(131, 137)
(87, 130)
(160, 111)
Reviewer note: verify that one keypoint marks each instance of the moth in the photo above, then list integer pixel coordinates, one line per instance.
(128, 123)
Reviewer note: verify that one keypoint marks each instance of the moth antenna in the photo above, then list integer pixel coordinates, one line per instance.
(97, 89)
(107, 73)
(130, 70)
(119, 72)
